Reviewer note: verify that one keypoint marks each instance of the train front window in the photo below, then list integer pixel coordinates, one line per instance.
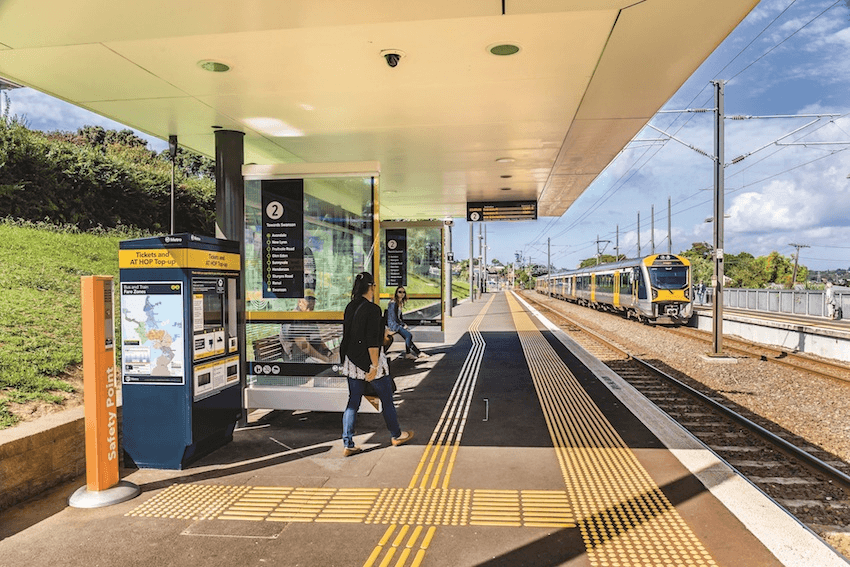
(672, 277)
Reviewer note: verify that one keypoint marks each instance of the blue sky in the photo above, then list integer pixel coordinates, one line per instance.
(787, 57)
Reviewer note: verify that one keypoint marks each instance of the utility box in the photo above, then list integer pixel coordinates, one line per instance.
(180, 349)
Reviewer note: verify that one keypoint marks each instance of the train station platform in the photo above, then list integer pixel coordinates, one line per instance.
(527, 452)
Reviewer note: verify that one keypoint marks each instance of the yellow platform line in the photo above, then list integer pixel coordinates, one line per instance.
(623, 516)
(449, 429)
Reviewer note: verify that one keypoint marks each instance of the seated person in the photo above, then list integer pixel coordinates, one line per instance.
(301, 340)
(396, 324)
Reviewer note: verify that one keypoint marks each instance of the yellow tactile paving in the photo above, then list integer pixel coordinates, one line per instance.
(435, 507)
(624, 517)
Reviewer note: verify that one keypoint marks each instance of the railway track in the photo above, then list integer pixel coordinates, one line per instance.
(812, 485)
(795, 360)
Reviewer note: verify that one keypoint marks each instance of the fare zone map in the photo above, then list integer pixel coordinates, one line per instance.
(152, 332)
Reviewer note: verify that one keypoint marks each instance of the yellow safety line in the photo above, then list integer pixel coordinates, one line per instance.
(450, 426)
(623, 516)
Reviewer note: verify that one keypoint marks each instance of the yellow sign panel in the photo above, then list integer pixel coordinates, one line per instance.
(213, 260)
(178, 258)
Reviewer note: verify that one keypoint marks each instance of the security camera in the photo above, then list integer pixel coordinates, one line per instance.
(392, 56)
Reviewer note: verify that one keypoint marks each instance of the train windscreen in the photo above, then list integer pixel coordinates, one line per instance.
(669, 277)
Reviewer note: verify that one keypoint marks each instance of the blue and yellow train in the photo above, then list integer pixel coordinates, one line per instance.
(653, 289)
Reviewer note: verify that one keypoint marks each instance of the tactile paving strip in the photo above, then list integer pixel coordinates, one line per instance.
(625, 519)
(444, 507)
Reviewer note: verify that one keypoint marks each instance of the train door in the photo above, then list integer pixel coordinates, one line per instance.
(616, 298)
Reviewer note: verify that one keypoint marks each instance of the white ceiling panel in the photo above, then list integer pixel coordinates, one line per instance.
(307, 82)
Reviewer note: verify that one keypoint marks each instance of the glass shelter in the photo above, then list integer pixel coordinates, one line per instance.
(309, 230)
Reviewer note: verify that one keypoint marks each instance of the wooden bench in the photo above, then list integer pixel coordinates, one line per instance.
(268, 348)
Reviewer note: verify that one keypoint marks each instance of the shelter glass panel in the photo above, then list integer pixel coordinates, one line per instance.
(424, 286)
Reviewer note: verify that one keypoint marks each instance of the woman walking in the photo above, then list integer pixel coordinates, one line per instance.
(396, 324)
(363, 360)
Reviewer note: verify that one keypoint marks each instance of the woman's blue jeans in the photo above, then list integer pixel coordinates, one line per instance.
(356, 387)
(408, 340)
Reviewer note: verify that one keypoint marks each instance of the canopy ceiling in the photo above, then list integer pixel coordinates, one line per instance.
(307, 82)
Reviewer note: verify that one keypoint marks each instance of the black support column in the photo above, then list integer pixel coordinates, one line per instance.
(229, 186)
(230, 222)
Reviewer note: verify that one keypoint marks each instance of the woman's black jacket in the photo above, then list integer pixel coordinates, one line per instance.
(362, 328)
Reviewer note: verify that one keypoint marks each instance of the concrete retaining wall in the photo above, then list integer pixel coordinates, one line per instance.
(40, 454)
(795, 337)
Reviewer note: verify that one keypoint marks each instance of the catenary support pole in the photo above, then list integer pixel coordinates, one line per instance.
(717, 283)
(669, 227)
(652, 231)
(471, 262)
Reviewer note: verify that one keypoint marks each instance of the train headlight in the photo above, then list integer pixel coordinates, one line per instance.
(687, 293)
(654, 294)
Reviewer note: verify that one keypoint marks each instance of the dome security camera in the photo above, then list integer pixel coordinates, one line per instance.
(392, 56)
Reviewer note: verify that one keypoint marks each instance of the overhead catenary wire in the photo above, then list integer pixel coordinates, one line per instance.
(648, 152)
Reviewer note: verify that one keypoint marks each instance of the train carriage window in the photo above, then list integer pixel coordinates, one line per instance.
(669, 277)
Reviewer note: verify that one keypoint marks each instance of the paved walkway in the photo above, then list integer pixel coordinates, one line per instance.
(527, 452)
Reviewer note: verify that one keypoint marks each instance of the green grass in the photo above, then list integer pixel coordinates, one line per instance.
(40, 319)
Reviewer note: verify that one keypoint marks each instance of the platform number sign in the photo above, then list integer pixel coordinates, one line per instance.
(283, 238)
(396, 256)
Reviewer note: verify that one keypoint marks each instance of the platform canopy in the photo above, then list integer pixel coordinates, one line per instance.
(307, 82)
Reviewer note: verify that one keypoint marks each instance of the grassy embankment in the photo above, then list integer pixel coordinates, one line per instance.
(40, 270)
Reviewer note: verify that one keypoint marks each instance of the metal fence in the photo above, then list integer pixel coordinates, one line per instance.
(790, 301)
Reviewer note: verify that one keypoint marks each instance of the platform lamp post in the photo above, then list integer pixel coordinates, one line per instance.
(172, 151)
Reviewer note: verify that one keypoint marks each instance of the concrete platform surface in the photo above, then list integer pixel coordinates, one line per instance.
(527, 452)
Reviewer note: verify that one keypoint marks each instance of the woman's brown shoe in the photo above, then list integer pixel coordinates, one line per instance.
(403, 438)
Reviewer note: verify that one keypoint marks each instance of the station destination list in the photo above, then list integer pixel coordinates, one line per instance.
(283, 238)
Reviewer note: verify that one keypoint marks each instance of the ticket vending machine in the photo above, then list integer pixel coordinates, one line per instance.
(180, 351)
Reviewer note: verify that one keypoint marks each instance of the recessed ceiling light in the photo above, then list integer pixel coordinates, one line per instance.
(506, 176)
(213, 66)
(505, 160)
(503, 49)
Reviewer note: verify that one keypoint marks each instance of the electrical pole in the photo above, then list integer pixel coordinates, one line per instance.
(669, 227)
(652, 225)
(549, 263)
(796, 260)
(719, 165)
(486, 271)
(471, 264)
(617, 245)
(449, 259)
(480, 256)
(638, 235)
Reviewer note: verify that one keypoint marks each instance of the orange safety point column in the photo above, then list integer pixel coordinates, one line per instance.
(99, 383)
(101, 409)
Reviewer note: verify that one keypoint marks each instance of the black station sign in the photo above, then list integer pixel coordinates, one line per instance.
(501, 211)
(396, 246)
(283, 238)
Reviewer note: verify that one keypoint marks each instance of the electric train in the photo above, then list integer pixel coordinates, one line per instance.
(653, 289)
